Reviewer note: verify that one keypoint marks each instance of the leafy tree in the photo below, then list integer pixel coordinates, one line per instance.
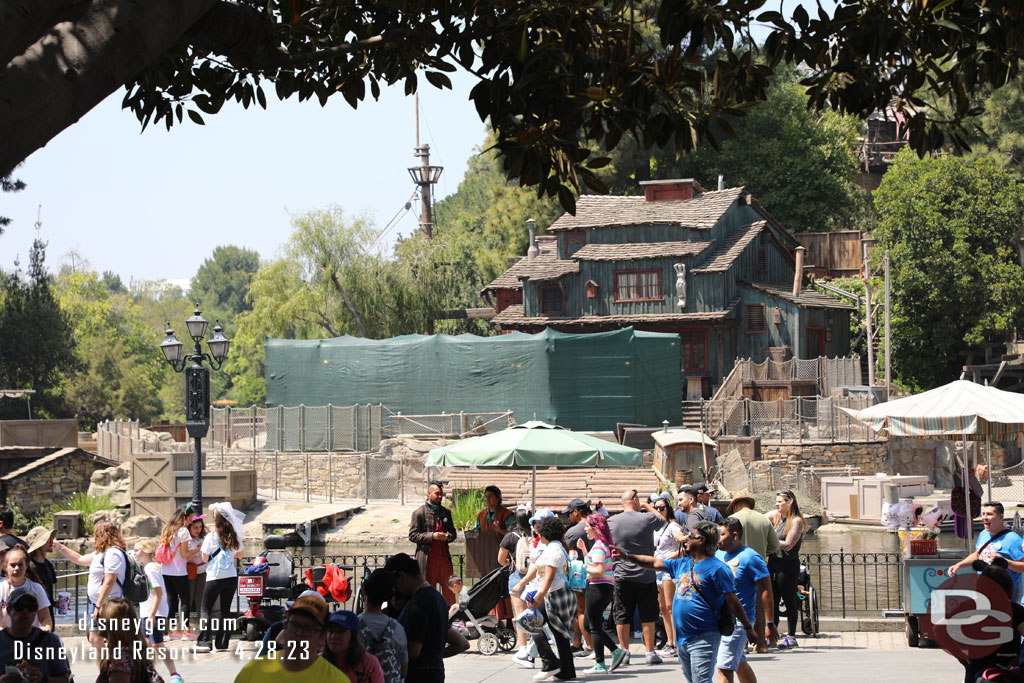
(955, 276)
(554, 76)
(222, 283)
(37, 345)
(120, 367)
(9, 184)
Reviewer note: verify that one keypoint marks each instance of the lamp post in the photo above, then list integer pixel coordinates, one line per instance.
(197, 385)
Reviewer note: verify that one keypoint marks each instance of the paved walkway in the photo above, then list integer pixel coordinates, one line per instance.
(835, 658)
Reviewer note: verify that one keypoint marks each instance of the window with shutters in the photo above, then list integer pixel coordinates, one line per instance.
(637, 285)
(574, 241)
(552, 300)
(762, 260)
(755, 319)
(695, 350)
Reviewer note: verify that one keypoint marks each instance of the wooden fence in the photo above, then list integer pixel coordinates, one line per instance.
(833, 254)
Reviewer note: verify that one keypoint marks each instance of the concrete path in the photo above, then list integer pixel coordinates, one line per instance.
(862, 657)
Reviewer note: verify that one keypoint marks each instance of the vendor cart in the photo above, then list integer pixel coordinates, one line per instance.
(921, 575)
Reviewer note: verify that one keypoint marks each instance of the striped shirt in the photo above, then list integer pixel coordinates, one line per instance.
(598, 554)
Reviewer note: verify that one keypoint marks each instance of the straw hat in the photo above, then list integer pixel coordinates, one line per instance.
(741, 498)
(38, 537)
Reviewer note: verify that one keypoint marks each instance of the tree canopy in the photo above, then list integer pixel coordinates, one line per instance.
(955, 276)
(560, 81)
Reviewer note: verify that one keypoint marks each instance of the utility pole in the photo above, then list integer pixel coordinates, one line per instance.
(425, 176)
(888, 338)
(867, 319)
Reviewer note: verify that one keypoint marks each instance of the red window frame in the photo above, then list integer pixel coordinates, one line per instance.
(571, 234)
(691, 340)
(641, 288)
(764, 319)
(540, 300)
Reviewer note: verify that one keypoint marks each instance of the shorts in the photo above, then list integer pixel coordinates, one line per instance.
(155, 630)
(660, 576)
(631, 595)
(513, 579)
(731, 650)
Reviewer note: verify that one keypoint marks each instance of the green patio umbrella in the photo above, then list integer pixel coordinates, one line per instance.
(535, 444)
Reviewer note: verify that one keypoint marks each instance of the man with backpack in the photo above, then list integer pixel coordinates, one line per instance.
(384, 637)
(42, 653)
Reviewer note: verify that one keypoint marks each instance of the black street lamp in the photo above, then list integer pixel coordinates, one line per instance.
(197, 385)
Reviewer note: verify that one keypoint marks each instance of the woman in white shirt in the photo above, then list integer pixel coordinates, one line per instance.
(174, 539)
(666, 547)
(220, 548)
(106, 564)
(153, 611)
(18, 575)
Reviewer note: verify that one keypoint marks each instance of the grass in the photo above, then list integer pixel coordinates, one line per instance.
(466, 504)
(80, 501)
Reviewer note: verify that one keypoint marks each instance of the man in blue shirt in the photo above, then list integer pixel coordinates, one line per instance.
(750, 572)
(994, 540)
(703, 584)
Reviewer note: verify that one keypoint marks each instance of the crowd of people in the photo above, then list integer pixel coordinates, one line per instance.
(655, 563)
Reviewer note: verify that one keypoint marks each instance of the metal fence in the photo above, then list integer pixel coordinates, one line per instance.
(846, 584)
(829, 373)
(448, 425)
(795, 420)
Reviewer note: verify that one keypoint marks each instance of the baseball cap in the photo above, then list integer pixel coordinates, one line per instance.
(689, 490)
(523, 507)
(315, 607)
(577, 504)
(541, 514)
(345, 619)
(701, 488)
(401, 562)
(19, 594)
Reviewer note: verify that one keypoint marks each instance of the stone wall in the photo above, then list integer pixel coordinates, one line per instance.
(59, 478)
(396, 471)
(934, 458)
(780, 465)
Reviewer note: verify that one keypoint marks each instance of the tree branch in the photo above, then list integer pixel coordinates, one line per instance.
(325, 323)
(23, 22)
(77, 64)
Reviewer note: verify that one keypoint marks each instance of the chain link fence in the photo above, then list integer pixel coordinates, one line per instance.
(797, 420)
(448, 425)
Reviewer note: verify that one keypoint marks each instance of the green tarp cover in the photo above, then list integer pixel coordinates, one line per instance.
(579, 381)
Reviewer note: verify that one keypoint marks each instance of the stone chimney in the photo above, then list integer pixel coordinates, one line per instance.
(533, 251)
(798, 274)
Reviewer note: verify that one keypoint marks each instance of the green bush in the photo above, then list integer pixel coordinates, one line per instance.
(80, 501)
(466, 504)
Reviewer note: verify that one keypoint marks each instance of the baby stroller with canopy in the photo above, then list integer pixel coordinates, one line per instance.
(808, 598)
(480, 625)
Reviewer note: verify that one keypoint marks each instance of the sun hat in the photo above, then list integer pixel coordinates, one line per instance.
(732, 506)
(38, 537)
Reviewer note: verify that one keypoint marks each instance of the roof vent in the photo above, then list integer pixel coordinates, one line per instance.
(678, 188)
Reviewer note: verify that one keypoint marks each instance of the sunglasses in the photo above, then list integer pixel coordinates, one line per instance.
(635, 495)
(660, 508)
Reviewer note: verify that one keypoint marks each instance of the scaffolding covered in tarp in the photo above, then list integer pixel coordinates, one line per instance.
(579, 381)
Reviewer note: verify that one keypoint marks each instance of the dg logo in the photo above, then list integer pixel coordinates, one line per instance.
(971, 616)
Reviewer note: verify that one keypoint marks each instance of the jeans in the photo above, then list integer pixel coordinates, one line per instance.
(698, 655)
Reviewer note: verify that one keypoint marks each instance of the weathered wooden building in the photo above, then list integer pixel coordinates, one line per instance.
(713, 267)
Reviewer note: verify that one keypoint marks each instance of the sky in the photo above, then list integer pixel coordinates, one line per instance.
(153, 205)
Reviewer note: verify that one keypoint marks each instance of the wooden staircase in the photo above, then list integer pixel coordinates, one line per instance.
(555, 488)
(691, 414)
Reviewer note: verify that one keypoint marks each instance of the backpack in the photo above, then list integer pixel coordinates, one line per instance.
(383, 648)
(164, 554)
(577, 576)
(135, 586)
(522, 554)
(219, 560)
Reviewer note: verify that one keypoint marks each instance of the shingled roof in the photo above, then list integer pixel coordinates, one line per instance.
(547, 266)
(643, 250)
(601, 211)
(513, 316)
(731, 248)
(807, 298)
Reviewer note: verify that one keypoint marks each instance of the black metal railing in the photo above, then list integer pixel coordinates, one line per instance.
(847, 584)
(856, 583)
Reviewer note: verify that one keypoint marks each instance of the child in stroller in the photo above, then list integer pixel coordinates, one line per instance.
(808, 597)
(477, 624)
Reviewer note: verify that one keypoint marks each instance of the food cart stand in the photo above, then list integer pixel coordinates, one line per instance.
(960, 410)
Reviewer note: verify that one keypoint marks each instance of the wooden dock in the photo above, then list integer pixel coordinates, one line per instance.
(308, 520)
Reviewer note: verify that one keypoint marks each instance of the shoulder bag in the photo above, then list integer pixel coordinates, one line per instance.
(726, 621)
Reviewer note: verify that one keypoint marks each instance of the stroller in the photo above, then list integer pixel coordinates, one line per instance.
(483, 597)
(808, 597)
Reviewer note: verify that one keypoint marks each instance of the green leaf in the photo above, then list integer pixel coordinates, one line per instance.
(439, 80)
(196, 118)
